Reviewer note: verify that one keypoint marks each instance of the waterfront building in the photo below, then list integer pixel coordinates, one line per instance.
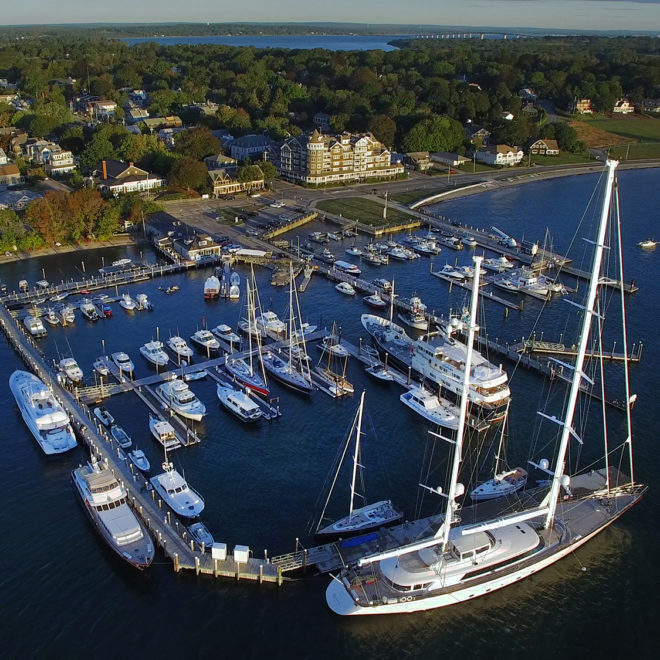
(500, 154)
(544, 147)
(117, 177)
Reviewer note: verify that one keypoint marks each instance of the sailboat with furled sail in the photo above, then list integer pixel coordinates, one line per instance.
(469, 556)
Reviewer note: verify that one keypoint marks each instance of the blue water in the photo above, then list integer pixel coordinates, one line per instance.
(63, 594)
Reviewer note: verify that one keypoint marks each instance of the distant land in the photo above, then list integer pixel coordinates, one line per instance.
(126, 30)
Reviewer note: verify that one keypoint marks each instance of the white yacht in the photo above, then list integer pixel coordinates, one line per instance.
(51, 317)
(503, 483)
(234, 286)
(271, 326)
(354, 251)
(164, 433)
(450, 271)
(122, 438)
(153, 351)
(239, 403)
(211, 288)
(123, 362)
(176, 492)
(127, 302)
(179, 347)
(101, 366)
(469, 241)
(374, 300)
(499, 264)
(35, 326)
(181, 399)
(205, 341)
(69, 367)
(345, 288)
(105, 502)
(224, 332)
(44, 416)
(434, 409)
(415, 317)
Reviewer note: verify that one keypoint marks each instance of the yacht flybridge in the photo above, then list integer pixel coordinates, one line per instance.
(181, 399)
(470, 555)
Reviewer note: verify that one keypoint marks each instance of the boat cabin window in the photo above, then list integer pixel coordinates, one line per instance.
(104, 489)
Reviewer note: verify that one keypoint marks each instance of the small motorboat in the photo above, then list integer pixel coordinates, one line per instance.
(380, 371)
(195, 375)
(118, 433)
(88, 310)
(51, 317)
(239, 402)
(123, 362)
(469, 241)
(224, 332)
(142, 302)
(205, 341)
(59, 296)
(345, 288)
(648, 244)
(103, 415)
(101, 367)
(128, 303)
(354, 251)
(140, 461)
(179, 347)
(69, 367)
(374, 300)
(329, 343)
(201, 535)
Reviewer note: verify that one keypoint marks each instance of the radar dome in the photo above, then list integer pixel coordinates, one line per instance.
(565, 481)
(544, 464)
(460, 489)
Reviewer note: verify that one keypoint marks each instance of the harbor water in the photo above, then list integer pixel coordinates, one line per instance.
(64, 594)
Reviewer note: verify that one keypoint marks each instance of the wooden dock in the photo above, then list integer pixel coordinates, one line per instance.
(489, 295)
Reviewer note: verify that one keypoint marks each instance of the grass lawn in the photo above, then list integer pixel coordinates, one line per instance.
(409, 196)
(644, 129)
(366, 211)
(564, 158)
(634, 151)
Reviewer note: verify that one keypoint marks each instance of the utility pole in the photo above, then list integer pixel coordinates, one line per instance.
(385, 207)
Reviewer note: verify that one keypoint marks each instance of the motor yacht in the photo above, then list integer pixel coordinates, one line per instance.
(354, 251)
(469, 241)
(154, 352)
(347, 267)
(35, 326)
(51, 317)
(415, 317)
(127, 302)
(142, 302)
(374, 300)
(181, 399)
(120, 263)
(431, 407)
(105, 501)
(164, 433)
(67, 314)
(176, 493)
(101, 366)
(69, 367)
(271, 326)
(498, 265)
(141, 462)
(201, 534)
(226, 334)
(43, 415)
(179, 347)
(205, 341)
(239, 403)
(453, 273)
(123, 362)
(345, 288)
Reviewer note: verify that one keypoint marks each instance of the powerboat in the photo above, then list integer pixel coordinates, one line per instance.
(648, 244)
(211, 288)
(123, 362)
(504, 483)
(127, 302)
(104, 416)
(120, 263)
(88, 310)
(374, 300)
(142, 302)
(51, 317)
(205, 341)
(380, 371)
(319, 237)
(453, 273)
(234, 286)
(176, 493)
(164, 433)
(399, 253)
(415, 317)
(105, 501)
(428, 405)
(239, 403)
(35, 326)
(270, 325)
(347, 267)
(285, 372)
(67, 314)
(181, 399)
(153, 352)
(42, 413)
(195, 375)
(498, 265)
(384, 285)
(69, 367)
(469, 241)
(101, 367)
(139, 459)
(201, 535)
(179, 347)
(224, 332)
(354, 251)
(122, 438)
(345, 288)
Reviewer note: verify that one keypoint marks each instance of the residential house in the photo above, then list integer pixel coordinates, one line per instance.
(506, 115)
(580, 107)
(156, 123)
(197, 248)
(225, 184)
(253, 147)
(650, 105)
(320, 159)
(500, 154)
(322, 121)
(61, 162)
(134, 114)
(117, 177)
(166, 135)
(103, 109)
(476, 134)
(219, 162)
(5, 84)
(17, 200)
(448, 158)
(3, 157)
(138, 96)
(623, 107)
(39, 151)
(527, 94)
(10, 175)
(530, 110)
(544, 147)
(8, 98)
(418, 160)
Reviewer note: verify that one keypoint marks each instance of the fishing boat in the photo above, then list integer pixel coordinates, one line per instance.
(67, 314)
(211, 288)
(176, 492)
(469, 241)
(164, 433)
(122, 438)
(362, 519)
(51, 317)
(69, 367)
(471, 555)
(226, 334)
(42, 413)
(374, 300)
(353, 251)
(181, 399)
(648, 244)
(345, 288)
(205, 341)
(179, 347)
(101, 366)
(239, 403)
(451, 272)
(141, 462)
(201, 535)
(127, 302)
(415, 317)
(103, 415)
(35, 326)
(123, 362)
(105, 501)
(153, 351)
(88, 310)
(270, 325)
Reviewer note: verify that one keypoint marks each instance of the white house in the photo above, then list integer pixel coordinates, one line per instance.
(500, 154)
(117, 177)
(60, 163)
(623, 107)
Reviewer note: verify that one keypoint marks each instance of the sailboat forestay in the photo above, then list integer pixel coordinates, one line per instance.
(464, 560)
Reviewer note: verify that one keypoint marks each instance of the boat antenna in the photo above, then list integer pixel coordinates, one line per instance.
(589, 309)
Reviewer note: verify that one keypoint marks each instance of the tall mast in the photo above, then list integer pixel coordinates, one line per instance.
(454, 492)
(589, 311)
(357, 453)
(250, 326)
(501, 444)
(392, 301)
(291, 326)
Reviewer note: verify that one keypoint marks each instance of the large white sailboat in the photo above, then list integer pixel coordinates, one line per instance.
(467, 558)
(44, 416)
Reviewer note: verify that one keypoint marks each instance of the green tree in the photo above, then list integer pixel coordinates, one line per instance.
(189, 174)
(383, 128)
(435, 134)
(196, 143)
